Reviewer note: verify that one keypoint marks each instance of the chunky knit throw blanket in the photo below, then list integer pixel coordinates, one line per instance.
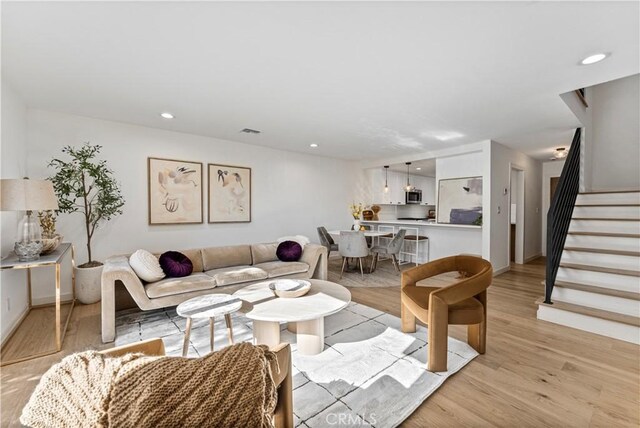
(230, 388)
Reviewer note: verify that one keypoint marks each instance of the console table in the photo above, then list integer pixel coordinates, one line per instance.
(52, 259)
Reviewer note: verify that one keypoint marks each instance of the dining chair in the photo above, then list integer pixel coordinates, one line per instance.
(461, 303)
(353, 245)
(326, 240)
(392, 249)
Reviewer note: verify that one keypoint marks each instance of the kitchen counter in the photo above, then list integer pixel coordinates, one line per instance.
(444, 239)
(421, 223)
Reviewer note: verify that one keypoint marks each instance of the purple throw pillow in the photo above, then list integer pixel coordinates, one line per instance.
(175, 264)
(289, 251)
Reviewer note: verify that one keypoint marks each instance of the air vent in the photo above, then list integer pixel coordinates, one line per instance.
(250, 131)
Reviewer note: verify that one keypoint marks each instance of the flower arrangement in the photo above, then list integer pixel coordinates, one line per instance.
(47, 223)
(356, 210)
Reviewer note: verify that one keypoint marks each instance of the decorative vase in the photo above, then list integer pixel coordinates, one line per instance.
(356, 224)
(88, 284)
(49, 245)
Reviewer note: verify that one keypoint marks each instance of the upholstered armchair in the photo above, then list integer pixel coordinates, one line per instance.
(461, 303)
(281, 370)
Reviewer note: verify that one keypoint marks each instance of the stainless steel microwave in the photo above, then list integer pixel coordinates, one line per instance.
(413, 196)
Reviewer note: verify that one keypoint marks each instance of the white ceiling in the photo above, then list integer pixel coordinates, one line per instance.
(362, 80)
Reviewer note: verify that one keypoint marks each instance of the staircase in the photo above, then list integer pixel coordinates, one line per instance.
(597, 286)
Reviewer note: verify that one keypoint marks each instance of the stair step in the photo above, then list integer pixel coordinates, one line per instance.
(604, 219)
(603, 192)
(607, 205)
(601, 269)
(614, 235)
(603, 251)
(598, 290)
(591, 312)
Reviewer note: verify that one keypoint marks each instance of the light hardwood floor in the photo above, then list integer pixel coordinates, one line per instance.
(533, 374)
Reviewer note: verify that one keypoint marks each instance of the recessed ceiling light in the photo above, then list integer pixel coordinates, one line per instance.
(314, 145)
(167, 115)
(418, 169)
(592, 59)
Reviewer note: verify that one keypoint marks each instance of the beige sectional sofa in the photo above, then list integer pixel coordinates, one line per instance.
(215, 270)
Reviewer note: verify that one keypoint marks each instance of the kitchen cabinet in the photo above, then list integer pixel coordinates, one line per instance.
(396, 182)
(428, 187)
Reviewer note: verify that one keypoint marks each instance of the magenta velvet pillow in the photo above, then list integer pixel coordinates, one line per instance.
(175, 264)
(289, 251)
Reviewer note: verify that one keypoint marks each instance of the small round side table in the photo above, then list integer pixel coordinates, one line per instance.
(208, 306)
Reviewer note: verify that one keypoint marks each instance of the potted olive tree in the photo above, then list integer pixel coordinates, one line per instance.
(85, 185)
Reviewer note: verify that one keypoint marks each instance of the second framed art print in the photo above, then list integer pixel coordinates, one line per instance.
(229, 194)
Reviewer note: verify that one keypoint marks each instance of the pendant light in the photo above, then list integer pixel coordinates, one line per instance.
(408, 188)
(386, 179)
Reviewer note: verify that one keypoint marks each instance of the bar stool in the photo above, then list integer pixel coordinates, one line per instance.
(416, 239)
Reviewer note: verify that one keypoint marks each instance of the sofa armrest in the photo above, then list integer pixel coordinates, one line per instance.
(316, 257)
(118, 269)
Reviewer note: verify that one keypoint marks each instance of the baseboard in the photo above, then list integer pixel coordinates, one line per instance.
(497, 272)
(48, 300)
(535, 256)
(14, 326)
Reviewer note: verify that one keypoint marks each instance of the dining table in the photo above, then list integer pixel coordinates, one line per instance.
(375, 240)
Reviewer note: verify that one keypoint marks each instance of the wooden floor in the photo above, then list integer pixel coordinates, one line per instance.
(534, 373)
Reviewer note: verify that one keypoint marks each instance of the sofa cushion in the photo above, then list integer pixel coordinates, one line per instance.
(171, 286)
(221, 257)
(146, 266)
(176, 265)
(196, 259)
(236, 274)
(278, 268)
(264, 252)
(289, 251)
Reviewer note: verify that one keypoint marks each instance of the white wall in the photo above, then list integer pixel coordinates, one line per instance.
(549, 169)
(471, 164)
(502, 159)
(13, 290)
(615, 134)
(583, 114)
(292, 193)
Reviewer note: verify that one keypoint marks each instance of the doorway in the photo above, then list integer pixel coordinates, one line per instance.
(516, 214)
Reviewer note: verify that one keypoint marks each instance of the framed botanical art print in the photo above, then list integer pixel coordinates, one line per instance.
(229, 194)
(175, 191)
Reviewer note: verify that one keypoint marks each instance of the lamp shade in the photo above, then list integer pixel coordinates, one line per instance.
(18, 194)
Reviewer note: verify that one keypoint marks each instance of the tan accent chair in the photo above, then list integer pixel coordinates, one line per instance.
(281, 370)
(461, 303)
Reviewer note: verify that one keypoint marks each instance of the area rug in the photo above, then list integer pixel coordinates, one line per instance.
(369, 374)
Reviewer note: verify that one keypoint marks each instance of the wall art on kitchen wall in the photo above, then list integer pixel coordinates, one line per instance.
(175, 191)
(229, 194)
(460, 201)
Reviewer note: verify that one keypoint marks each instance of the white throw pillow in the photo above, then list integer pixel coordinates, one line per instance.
(300, 239)
(146, 266)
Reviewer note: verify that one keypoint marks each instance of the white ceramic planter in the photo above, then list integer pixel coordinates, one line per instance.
(88, 284)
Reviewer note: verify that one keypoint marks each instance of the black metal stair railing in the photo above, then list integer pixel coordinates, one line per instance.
(560, 212)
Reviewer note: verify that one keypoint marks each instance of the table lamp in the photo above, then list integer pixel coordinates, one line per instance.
(27, 195)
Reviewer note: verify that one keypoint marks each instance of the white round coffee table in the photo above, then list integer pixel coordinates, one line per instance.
(208, 306)
(305, 314)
